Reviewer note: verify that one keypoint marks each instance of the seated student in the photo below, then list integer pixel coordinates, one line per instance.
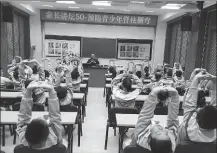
(6, 82)
(39, 133)
(150, 134)
(35, 75)
(74, 75)
(198, 125)
(65, 97)
(121, 87)
(179, 82)
(32, 63)
(146, 73)
(48, 77)
(38, 94)
(112, 71)
(169, 79)
(177, 67)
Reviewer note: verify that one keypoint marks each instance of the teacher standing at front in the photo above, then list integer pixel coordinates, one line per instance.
(93, 60)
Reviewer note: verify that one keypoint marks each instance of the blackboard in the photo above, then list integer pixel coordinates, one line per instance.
(101, 47)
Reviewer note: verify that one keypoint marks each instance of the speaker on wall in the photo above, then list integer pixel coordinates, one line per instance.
(7, 14)
(186, 23)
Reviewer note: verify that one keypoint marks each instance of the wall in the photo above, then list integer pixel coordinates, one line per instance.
(101, 31)
(36, 36)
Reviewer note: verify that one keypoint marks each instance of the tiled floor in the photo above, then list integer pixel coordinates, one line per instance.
(94, 128)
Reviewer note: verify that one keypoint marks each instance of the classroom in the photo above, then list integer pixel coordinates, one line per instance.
(108, 76)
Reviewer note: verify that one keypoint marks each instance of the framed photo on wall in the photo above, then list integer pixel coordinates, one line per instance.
(134, 49)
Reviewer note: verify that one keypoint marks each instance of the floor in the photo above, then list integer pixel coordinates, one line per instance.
(94, 128)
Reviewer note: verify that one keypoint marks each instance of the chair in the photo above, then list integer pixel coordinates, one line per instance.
(161, 110)
(59, 148)
(136, 149)
(35, 107)
(197, 148)
(111, 122)
(73, 108)
(16, 107)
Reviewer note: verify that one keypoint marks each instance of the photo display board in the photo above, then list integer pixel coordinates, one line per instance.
(61, 47)
(134, 49)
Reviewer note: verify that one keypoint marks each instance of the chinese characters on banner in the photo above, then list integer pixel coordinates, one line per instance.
(98, 18)
(134, 51)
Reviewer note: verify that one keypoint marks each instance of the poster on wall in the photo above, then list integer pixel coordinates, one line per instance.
(134, 51)
(60, 48)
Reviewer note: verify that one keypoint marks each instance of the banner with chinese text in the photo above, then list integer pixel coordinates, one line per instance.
(99, 18)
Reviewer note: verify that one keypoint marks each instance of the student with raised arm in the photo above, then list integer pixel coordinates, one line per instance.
(199, 125)
(74, 74)
(150, 134)
(39, 133)
(121, 87)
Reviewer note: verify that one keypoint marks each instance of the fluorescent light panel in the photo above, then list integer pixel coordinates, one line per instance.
(173, 6)
(101, 3)
(28, 7)
(66, 2)
(125, 10)
(47, 5)
(137, 2)
(74, 7)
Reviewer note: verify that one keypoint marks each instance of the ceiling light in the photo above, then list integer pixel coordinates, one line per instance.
(35, 1)
(101, 3)
(47, 5)
(137, 2)
(125, 10)
(28, 7)
(66, 2)
(74, 7)
(149, 11)
(172, 6)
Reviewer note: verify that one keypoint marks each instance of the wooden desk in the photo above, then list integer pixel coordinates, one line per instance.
(85, 79)
(81, 85)
(68, 118)
(133, 118)
(138, 99)
(109, 86)
(125, 121)
(86, 74)
(96, 78)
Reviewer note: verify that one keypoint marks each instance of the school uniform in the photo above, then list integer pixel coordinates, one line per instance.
(122, 98)
(145, 122)
(189, 130)
(55, 126)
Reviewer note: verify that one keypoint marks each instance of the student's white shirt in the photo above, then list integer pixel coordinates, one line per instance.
(4, 81)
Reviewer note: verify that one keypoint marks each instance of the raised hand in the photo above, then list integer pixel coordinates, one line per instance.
(203, 75)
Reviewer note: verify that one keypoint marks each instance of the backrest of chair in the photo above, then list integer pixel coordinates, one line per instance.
(161, 110)
(60, 148)
(113, 111)
(68, 109)
(196, 148)
(136, 149)
(16, 106)
(36, 107)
